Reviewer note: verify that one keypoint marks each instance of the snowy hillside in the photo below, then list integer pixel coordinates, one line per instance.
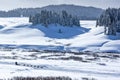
(18, 33)
(24, 51)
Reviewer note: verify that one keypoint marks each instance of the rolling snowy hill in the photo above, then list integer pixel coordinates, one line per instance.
(18, 33)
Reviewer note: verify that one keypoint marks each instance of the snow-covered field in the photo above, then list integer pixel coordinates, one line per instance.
(19, 33)
(96, 66)
(20, 42)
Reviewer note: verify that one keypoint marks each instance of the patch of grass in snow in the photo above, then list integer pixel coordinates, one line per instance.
(50, 78)
(85, 78)
(41, 78)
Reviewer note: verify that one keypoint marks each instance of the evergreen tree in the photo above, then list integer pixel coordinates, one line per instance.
(110, 19)
(59, 31)
(48, 17)
(30, 18)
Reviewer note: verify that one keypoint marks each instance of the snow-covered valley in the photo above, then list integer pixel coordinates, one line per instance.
(19, 33)
(76, 52)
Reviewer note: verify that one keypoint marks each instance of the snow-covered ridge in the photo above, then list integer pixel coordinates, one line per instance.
(18, 33)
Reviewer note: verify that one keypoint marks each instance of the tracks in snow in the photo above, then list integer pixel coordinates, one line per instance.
(63, 69)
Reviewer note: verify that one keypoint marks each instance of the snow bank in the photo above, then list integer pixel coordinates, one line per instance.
(112, 46)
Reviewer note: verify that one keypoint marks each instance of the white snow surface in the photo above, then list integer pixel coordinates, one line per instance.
(34, 64)
(20, 33)
(17, 34)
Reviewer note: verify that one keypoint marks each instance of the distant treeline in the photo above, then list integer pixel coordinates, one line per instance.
(88, 13)
(49, 17)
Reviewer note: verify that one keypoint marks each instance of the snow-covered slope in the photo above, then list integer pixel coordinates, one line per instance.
(19, 33)
(17, 36)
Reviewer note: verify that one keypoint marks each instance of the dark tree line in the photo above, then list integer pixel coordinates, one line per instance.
(110, 19)
(49, 17)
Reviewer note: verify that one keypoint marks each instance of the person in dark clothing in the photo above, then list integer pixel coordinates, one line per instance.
(16, 63)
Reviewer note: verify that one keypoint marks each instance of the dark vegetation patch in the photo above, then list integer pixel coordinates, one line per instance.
(49, 78)
(41, 78)
(85, 78)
